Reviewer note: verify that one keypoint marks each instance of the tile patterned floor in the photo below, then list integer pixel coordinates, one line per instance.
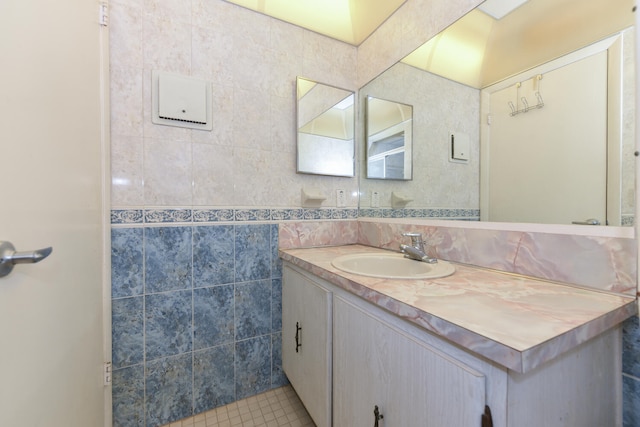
(276, 408)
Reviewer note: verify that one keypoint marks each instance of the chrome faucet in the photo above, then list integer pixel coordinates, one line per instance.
(416, 250)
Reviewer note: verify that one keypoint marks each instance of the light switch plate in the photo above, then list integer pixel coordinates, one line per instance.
(341, 198)
(459, 147)
(375, 199)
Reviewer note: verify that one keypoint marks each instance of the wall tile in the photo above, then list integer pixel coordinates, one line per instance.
(631, 347)
(276, 305)
(125, 22)
(168, 326)
(128, 397)
(169, 388)
(253, 366)
(168, 254)
(126, 262)
(213, 316)
(213, 215)
(630, 401)
(253, 252)
(166, 43)
(213, 175)
(127, 216)
(158, 216)
(278, 378)
(213, 255)
(213, 376)
(127, 332)
(276, 262)
(127, 176)
(167, 186)
(253, 309)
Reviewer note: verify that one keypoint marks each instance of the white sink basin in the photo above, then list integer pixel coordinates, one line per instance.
(391, 266)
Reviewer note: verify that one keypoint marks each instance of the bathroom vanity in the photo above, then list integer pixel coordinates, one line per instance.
(476, 348)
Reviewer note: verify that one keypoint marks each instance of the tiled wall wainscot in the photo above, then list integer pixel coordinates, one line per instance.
(196, 319)
(196, 307)
(631, 373)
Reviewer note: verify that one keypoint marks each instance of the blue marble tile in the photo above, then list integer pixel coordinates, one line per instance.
(213, 321)
(631, 347)
(128, 396)
(630, 402)
(213, 378)
(276, 305)
(167, 215)
(253, 309)
(126, 262)
(278, 378)
(169, 390)
(253, 366)
(253, 252)
(167, 258)
(168, 324)
(127, 216)
(213, 255)
(127, 332)
(276, 262)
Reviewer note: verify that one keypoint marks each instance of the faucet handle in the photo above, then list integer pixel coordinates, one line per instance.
(416, 239)
(414, 236)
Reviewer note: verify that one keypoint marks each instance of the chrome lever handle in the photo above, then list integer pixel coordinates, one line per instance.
(9, 257)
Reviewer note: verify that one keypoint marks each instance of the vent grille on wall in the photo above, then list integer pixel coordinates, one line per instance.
(181, 101)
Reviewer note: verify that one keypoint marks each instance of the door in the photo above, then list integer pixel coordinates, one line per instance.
(379, 369)
(306, 339)
(51, 313)
(549, 165)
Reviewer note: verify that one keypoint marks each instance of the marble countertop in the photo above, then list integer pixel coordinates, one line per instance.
(517, 322)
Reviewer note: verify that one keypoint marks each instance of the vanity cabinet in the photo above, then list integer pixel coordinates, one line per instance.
(411, 383)
(306, 343)
(356, 358)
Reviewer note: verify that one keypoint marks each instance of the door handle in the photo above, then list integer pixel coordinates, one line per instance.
(9, 257)
(590, 221)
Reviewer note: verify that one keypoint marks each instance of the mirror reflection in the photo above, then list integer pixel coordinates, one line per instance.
(485, 77)
(326, 121)
(388, 139)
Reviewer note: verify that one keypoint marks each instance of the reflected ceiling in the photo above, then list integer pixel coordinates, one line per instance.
(528, 34)
(350, 21)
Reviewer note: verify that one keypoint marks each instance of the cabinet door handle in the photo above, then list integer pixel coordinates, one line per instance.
(487, 420)
(377, 416)
(298, 329)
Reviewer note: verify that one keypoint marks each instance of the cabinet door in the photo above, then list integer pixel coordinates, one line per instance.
(306, 314)
(412, 384)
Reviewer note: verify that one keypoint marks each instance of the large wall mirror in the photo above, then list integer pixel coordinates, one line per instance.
(519, 84)
(388, 139)
(326, 121)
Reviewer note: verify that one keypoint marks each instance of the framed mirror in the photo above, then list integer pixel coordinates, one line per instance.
(325, 121)
(451, 79)
(388, 139)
